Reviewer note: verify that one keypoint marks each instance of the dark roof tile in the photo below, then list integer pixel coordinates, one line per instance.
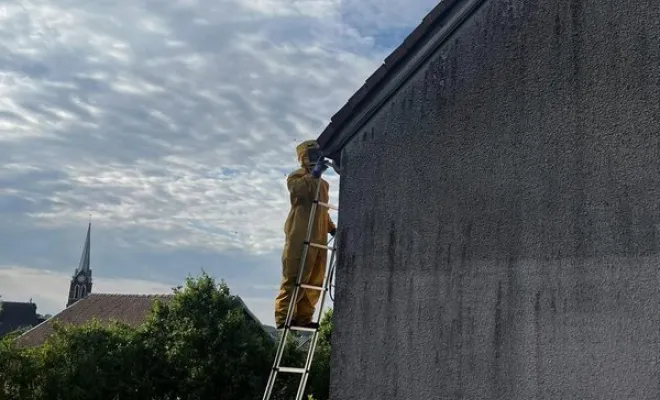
(413, 38)
(347, 110)
(397, 55)
(342, 114)
(376, 77)
(358, 96)
(328, 130)
(439, 10)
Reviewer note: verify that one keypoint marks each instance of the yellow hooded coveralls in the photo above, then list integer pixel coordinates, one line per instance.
(302, 189)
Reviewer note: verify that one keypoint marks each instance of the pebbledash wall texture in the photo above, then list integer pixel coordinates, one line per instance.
(500, 213)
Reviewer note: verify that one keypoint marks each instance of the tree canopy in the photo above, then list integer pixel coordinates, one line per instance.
(198, 345)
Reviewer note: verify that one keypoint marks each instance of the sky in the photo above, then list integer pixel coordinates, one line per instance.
(173, 124)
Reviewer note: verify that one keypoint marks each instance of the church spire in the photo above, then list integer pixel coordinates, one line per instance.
(83, 266)
(81, 281)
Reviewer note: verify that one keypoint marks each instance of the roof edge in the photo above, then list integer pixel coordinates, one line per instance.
(247, 309)
(49, 319)
(434, 30)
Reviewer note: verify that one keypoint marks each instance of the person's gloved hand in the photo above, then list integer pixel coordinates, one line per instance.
(319, 169)
(333, 232)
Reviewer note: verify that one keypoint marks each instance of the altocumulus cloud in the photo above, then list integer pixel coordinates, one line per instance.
(173, 123)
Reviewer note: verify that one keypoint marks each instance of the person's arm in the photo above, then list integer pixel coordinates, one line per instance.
(332, 228)
(301, 185)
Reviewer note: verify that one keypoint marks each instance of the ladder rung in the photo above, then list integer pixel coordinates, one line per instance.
(306, 286)
(320, 246)
(291, 370)
(303, 329)
(327, 205)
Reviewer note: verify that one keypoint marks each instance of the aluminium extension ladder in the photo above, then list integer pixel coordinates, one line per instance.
(304, 371)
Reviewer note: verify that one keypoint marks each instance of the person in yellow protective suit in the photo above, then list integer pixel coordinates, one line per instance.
(302, 189)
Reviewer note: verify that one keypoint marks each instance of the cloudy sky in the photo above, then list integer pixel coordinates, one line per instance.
(173, 123)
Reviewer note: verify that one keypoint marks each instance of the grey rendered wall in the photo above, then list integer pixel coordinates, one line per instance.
(500, 216)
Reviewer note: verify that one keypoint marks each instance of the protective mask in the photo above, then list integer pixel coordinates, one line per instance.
(313, 156)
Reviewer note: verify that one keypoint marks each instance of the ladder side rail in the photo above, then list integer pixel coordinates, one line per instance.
(310, 356)
(315, 337)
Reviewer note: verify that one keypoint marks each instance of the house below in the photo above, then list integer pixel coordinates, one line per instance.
(130, 309)
(17, 316)
(499, 233)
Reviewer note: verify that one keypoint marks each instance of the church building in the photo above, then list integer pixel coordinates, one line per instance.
(81, 281)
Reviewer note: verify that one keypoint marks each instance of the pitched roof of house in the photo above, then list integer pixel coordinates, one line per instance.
(398, 67)
(16, 315)
(270, 330)
(130, 309)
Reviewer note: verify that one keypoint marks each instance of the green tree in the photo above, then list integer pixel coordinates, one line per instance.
(94, 361)
(0, 312)
(209, 348)
(18, 371)
(319, 379)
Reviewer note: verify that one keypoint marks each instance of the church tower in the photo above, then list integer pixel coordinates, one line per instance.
(81, 281)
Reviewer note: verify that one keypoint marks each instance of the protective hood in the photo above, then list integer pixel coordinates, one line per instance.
(302, 150)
